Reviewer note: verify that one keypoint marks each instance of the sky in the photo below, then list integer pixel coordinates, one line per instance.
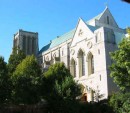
(52, 18)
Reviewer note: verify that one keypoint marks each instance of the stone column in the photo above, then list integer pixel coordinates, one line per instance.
(80, 66)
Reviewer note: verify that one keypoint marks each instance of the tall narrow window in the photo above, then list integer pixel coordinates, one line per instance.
(90, 64)
(73, 68)
(96, 38)
(100, 77)
(33, 45)
(107, 19)
(81, 63)
(24, 44)
(92, 60)
(99, 51)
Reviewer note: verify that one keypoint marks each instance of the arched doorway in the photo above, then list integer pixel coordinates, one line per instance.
(84, 97)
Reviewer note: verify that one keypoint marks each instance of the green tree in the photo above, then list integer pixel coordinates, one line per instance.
(120, 69)
(4, 82)
(60, 89)
(26, 82)
(120, 102)
(15, 58)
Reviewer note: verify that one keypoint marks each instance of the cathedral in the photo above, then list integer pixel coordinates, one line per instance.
(84, 50)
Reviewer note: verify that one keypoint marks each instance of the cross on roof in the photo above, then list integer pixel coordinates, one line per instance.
(106, 3)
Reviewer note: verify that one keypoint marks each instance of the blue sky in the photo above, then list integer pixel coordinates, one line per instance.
(51, 18)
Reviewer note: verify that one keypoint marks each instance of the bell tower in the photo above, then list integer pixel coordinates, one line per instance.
(26, 41)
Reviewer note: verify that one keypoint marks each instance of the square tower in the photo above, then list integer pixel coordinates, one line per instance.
(26, 41)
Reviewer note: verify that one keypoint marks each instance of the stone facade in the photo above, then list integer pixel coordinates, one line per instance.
(85, 51)
(26, 41)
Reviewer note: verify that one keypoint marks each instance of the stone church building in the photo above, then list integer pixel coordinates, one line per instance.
(84, 50)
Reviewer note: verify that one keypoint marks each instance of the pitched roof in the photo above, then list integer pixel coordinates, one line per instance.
(58, 40)
(95, 18)
(69, 35)
(46, 47)
(98, 16)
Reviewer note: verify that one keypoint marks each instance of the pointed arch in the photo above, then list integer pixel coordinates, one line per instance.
(90, 59)
(80, 51)
(81, 63)
(73, 67)
(74, 60)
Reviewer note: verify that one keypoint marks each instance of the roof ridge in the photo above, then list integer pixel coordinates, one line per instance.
(67, 32)
(54, 42)
(98, 16)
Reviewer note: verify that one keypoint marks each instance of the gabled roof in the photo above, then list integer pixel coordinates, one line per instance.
(70, 34)
(59, 40)
(95, 18)
(62, 38)
(98, 16)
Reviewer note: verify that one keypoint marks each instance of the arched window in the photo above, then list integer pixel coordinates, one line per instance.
(90, 64)
(73, 67)
(81, 63)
